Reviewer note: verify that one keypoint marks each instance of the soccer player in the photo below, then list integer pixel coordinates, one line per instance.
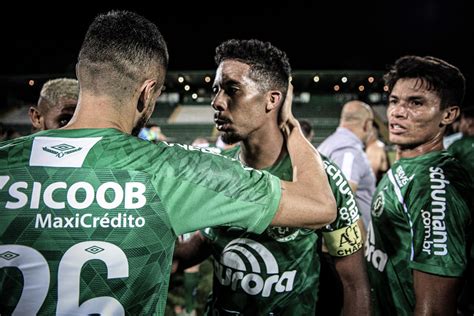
(56, 104)
(275, 272)
(90, 214)
(417, 245)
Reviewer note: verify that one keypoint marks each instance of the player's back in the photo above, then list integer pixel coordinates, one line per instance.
(79, 228)
(89, 218)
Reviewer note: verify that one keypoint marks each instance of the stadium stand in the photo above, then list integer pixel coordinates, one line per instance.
(183, 111)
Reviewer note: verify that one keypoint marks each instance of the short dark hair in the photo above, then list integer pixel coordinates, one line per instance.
(122, 47)
(437, 74)
(268, 65)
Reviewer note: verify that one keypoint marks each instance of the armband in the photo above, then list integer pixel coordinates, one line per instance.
(344, 241)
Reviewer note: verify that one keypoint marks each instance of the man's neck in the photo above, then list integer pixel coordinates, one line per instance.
(261, 152)
(433, 145)
(99, 113)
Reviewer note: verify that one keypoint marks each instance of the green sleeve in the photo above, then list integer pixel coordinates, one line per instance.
(201, 189)
(440, 221)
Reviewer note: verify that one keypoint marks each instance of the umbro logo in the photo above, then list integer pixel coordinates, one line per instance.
(61, 150)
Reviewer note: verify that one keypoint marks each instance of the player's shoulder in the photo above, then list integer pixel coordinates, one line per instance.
(423, 169)
(15, 151)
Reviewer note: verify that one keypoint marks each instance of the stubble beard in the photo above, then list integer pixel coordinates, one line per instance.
(231, 138)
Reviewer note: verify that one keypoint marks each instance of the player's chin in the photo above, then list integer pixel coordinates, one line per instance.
(231, 137)
(405, 142)
(398, 139)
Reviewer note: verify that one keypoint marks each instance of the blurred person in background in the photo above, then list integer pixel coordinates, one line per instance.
(345, 147)
(152, 132)
(377, 153)
(56, 104)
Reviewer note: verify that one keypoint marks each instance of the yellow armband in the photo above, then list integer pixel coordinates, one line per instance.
(344, 241)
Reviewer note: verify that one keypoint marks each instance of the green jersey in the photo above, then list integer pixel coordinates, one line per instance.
(89, 218)
(421, 220)
(277, 272)
(463, 150)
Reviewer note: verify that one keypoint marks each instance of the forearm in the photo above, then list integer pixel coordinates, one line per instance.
(356, 301)
(352, 271)
(310, 192)
(435, 295)
(192, 251)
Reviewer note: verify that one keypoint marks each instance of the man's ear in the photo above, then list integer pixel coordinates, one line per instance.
(274, 100)
(368, 125)
(36, 118)
(146, 95)
(450, 114)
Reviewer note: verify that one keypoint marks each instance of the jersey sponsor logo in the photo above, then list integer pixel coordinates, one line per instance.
(77, 195)
(344, 241)
(374, 256)
(435, 234)
(60, 151)
(401, 177)
(349, 212)
(247, 264)
(378, 204)
(88, 220)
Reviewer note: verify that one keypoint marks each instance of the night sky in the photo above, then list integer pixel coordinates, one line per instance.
(317, 35)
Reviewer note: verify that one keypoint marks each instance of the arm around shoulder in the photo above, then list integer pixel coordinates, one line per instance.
(307, 201)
